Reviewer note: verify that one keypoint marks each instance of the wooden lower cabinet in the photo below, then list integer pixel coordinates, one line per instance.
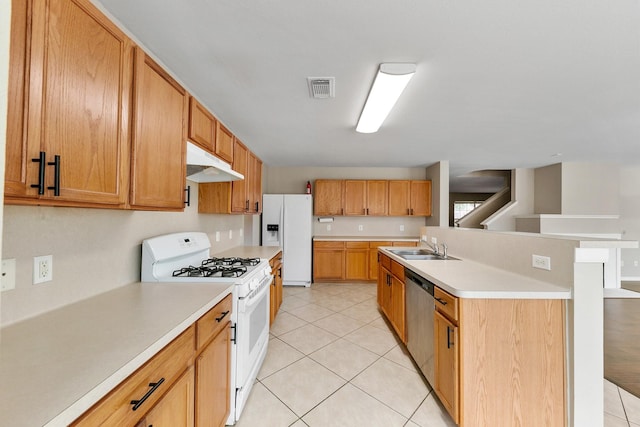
(356, 261)
(213, 368)
(275, 294)
(348, 260)
(176, 407)
(185, 384)
(446, 376)
(391, 294)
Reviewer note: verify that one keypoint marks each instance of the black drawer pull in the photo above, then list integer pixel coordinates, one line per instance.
(154, 386)
(441, 301)
(188, 191)
(42, 160)
(224, 314)
(56, 175)
(449, 343)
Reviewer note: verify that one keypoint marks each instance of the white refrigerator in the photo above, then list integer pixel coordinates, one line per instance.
(287, 221)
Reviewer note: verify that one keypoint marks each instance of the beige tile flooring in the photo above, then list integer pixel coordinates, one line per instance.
(333, 361)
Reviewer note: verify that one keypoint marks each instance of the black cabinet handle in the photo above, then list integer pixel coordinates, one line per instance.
(246, 205)
(408, 211)
(188, 191)
(441, 301)
(224, 314)
(56, 175)
(43, 162)
(257, 206)
(449, 343)
(154, 386)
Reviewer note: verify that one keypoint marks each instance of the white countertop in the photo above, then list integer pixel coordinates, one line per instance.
(366, 238)
(56, 366)
(468, 279)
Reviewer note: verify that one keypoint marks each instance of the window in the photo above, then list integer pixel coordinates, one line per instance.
(460, 209)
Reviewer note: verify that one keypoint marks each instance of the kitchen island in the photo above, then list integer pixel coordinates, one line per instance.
(55, 366)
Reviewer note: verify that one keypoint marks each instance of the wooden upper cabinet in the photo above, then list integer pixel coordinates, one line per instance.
(202, 126)
(399, 198)
(254, 182)
(78, 97)
(328, 197)
(410, 198)
(239, 196)
(160, 132)
(421, 198)
(355, 197)
(224, 143)
(377, 197)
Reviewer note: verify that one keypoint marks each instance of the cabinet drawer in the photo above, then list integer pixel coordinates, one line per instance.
(328, 245)
(213, 321)
(446, 303)
(357, 245)
(374, 245)
(116, 409)
(397, 270)
(385, 261)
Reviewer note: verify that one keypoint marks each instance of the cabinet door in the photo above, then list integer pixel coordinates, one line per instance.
(387, 302)
(17, 162)
(255, 184)
(158, 167)
(175, 409)
(373, 258)
(399, 198)
(357, 261)
(202, 126)
(213, 369)
(328, 263)
(446, 363)
(398, 309)
(239, 197)
(328, 197)
(224, 143)
(78, 104)
(421, 198)
(355, 197)
(377, 198)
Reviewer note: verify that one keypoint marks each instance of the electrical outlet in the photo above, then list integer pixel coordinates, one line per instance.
(328, 227)
(241, 232)
(541, 262)
(217, 236)
(230, 234)
(360, 227)
(402, 228)
(8, 274)
(434, 240)
(42, 269)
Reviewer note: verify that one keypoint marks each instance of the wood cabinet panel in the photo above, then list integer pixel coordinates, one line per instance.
(357, 263)
(355, 197)
(224, 143)
(176, 408)
(239, 189)
(398, 306)
(158, 166)
(169, 363)
(276, 286)
(446, 303)
(328, 261)
(386, 288)
(254, 182)
(328, 197)
(399, 198)
(210, 324)
(79, 69)
(373, 258)
(377, 198)
(213, 367)
(446, 364)
(421, 198)
(202, 126)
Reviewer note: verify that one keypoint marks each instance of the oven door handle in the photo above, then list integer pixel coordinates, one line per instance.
(249, 302)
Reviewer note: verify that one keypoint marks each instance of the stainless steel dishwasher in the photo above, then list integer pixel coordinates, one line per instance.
(419, 306)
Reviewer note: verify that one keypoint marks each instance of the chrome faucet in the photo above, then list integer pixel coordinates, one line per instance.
(434, 247)
(444, 250)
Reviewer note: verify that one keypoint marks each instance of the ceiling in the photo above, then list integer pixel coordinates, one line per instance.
(500, 84)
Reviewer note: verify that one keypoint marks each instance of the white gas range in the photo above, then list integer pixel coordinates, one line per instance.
(185, 257)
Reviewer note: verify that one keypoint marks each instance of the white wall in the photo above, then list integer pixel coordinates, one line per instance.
(630, 219)
(94, 250)
(439, 175)
(590, 189)
(522, 201)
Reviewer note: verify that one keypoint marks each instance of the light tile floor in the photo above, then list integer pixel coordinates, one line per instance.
(334, 361)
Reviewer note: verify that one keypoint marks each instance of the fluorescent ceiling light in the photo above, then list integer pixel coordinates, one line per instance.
(387, 88)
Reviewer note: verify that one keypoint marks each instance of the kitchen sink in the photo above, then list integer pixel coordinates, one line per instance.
(419, 254)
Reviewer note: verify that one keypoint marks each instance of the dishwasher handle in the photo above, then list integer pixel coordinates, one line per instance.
(426, 285)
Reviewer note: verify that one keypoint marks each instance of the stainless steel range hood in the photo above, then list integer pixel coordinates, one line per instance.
(205, 167)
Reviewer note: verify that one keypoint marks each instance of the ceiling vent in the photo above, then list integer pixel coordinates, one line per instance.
(322, 87)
